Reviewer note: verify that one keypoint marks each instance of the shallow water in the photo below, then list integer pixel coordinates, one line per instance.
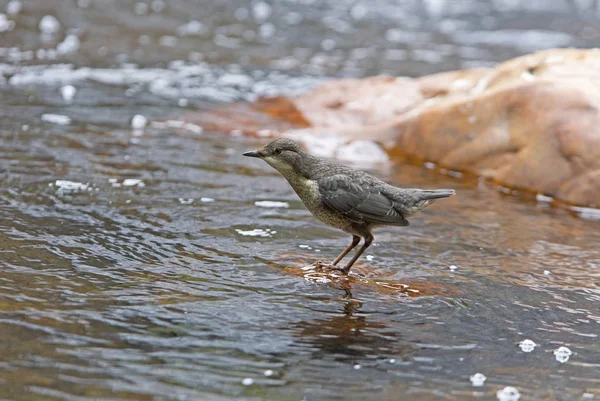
(155, 263)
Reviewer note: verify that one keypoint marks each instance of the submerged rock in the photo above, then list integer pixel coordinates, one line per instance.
(530, 123)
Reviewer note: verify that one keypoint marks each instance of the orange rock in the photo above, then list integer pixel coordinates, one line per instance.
(530, 123)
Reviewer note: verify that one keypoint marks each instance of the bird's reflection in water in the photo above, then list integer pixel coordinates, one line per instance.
(350, 334)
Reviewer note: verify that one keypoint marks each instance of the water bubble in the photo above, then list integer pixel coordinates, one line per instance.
(359, 11)
(508, 394)
(562, 354)
(57, 119)
(68, 92)
(261, 11)
(269, 373)
(392, 361)
(527, 345)
(5, 24)
(248, 381)
(328, 44)
(478, 379)
(547, 272)
(357, 367)
(14, 7)
(185, 201)
(266, 30)
(304, 246)
(139, 122)
(207, 200)
(370, 257)
(49, 25)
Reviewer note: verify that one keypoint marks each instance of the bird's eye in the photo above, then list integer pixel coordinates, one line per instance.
(277, 152)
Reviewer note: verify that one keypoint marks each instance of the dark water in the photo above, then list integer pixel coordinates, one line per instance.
(136, 265)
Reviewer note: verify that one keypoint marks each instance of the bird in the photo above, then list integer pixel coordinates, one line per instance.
(344, 198)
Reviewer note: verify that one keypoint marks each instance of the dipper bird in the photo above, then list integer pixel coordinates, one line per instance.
(344, 198)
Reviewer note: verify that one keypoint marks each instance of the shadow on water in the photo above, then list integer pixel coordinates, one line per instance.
(142, 258)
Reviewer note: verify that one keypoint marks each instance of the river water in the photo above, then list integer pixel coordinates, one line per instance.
(143, 258)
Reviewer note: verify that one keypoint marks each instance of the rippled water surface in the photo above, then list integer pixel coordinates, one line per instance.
(153, 262)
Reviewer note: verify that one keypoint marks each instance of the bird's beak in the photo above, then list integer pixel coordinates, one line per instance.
(252, 153)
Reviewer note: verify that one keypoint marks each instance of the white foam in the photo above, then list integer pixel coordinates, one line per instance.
(139, 122)
(257, 232)
(207, 200)
(527, 345)
(362, 151)
(562, 354)
(478, 379)
(453, 267)
(69, 45)
(272, 204)
(57, 119)
(587, 213)
(508, 394)
(65, 186)
(133, 182)
(192, 28)
(248, 381)
(68, 92)
(269, 373)
(543, 198)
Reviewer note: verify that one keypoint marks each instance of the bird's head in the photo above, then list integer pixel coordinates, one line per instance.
(284, 155)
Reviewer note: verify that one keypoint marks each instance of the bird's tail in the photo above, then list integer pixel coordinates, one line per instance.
(421, 198)
(428, 194)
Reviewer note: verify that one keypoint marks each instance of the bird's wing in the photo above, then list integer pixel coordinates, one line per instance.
(359, 203)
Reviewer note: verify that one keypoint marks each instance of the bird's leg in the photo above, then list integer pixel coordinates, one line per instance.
(355, 241)
(320, 264)
(368, 241)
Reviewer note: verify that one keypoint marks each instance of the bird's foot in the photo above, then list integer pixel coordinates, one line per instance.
(328, 266)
